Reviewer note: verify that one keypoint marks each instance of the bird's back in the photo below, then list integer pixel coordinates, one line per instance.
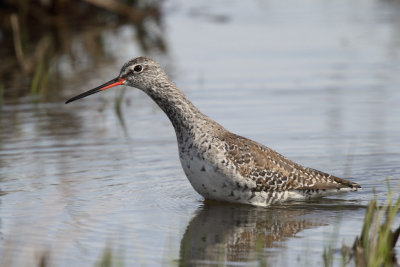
(272, 172)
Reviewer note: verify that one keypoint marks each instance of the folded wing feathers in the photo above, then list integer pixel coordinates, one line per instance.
(272, 171)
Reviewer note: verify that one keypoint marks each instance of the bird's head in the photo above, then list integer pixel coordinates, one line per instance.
(141, 72)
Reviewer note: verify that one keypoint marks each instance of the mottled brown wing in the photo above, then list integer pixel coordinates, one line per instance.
(272, 171)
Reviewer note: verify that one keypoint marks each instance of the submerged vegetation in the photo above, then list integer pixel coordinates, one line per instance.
(118, 110)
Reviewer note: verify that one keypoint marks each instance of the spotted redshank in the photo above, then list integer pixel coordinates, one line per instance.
(221, 165)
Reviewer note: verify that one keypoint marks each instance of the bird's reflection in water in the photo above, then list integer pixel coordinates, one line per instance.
(221, 233)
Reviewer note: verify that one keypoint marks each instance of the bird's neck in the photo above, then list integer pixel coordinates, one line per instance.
(184, 116)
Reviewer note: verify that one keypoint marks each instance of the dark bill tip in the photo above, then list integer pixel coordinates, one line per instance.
(114, 82)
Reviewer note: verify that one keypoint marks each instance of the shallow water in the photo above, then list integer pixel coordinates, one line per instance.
(316, 81)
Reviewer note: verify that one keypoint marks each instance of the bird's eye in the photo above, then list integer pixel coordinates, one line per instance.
(138, 68)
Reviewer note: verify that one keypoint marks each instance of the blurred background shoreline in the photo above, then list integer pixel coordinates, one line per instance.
(39, 40)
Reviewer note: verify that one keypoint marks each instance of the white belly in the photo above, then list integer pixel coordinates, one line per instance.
(216, 181)
(212, 183)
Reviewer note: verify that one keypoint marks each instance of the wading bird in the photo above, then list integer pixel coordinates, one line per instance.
(221, 165)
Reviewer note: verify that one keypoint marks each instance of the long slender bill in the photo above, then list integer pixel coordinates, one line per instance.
(114, 82)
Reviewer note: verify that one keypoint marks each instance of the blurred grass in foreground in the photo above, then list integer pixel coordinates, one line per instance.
(375, 246)
(109, 258)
